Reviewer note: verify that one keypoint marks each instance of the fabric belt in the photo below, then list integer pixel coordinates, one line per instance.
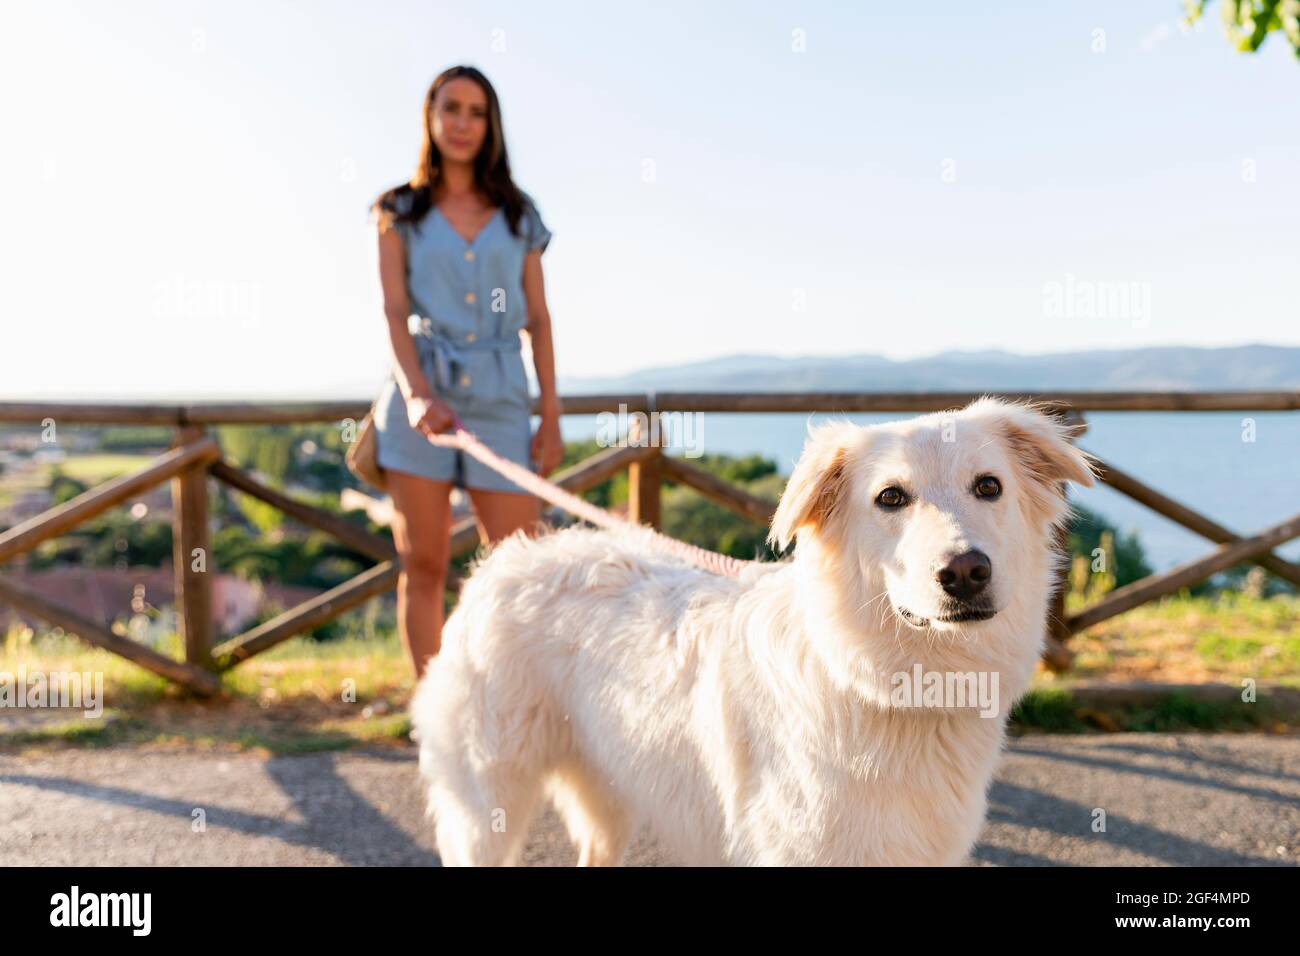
(444, 357)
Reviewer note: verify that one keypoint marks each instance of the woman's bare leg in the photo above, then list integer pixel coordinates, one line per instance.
(422, 533)
(498, 513)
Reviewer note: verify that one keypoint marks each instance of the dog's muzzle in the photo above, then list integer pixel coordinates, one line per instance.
(951, 612)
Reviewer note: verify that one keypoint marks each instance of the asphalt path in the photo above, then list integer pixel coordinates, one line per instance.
(1169, 800)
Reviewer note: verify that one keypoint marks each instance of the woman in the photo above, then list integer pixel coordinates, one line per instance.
(460, 250)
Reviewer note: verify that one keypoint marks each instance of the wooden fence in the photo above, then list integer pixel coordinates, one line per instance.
(195, 457)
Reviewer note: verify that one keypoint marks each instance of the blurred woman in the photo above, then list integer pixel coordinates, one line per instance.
(460, 264)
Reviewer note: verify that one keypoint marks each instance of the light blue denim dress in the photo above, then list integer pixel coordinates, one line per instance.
(468, 307)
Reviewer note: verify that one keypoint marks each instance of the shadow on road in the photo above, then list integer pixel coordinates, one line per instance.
(335, 818)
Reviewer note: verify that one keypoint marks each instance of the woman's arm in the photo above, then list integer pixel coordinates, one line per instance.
(397, 308)
(548, 448)
(426, 413)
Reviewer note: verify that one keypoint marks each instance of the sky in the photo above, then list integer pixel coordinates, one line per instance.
(184, 185)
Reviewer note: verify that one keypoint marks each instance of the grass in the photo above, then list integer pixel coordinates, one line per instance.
(1056, 710)
(97, 468)
(90, 470)
(306, 695)
(1193, 640)
(1220, 639)
(298, 697)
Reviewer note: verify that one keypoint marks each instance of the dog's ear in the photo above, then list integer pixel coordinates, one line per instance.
(1039, 445)
(1042, 444)
(816, 485)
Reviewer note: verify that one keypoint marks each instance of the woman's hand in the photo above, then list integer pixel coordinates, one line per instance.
(429, 416)
(548, 446)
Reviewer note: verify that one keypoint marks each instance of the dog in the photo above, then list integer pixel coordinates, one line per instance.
(776, 718)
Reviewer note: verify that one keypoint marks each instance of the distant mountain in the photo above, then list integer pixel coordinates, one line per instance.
(1248, 367)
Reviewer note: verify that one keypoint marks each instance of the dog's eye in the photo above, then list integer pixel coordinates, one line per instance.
(987, 487)
(892, 497)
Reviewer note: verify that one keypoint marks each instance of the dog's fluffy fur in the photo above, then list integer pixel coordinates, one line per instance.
(750, 720)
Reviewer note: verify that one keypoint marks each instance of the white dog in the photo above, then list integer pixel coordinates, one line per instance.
(792, 716)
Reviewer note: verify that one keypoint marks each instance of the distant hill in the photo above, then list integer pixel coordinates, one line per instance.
(1249, 367)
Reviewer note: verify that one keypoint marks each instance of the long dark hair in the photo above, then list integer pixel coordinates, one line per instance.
(411, 201)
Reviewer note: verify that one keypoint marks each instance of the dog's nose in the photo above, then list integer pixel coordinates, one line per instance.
(965, 575)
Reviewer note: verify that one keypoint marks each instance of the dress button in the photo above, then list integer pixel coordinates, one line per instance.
(469, 297)
(464, 380)
(471, 337)
(469, 255)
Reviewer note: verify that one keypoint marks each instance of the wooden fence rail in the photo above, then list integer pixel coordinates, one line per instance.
(195, 457)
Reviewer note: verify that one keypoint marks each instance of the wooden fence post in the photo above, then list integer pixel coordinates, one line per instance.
(644, 486)
(192, 557)
(1056, 655)
(644, 479)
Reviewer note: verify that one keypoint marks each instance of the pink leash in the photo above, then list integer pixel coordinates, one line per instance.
(548, 491)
